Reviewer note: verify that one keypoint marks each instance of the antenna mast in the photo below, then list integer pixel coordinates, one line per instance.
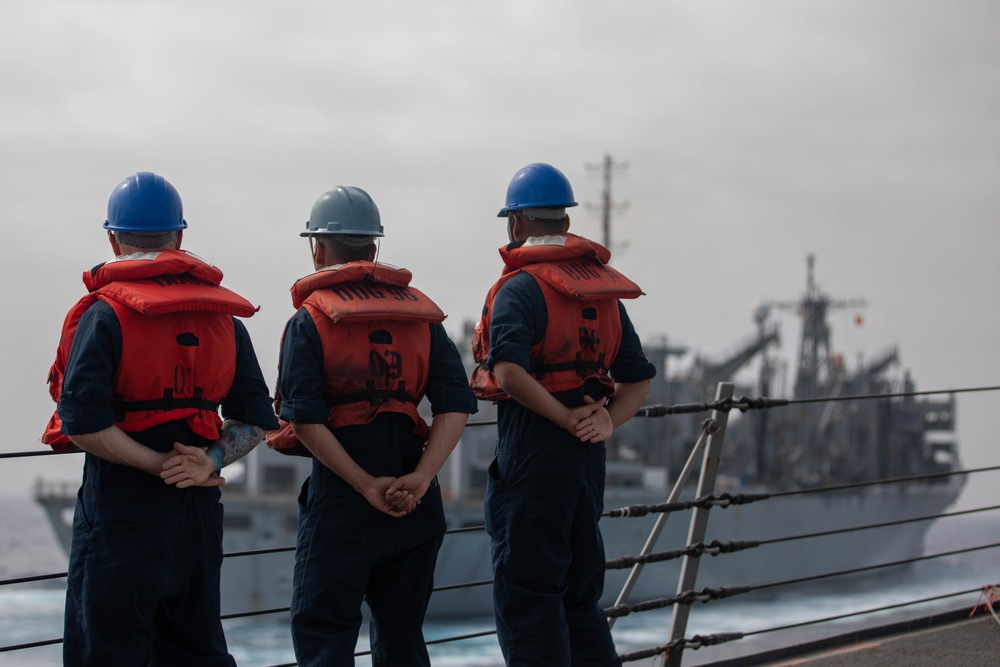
(606, 167)
(816, 371)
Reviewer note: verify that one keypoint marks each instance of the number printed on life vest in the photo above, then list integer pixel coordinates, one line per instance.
(388, 364)
(589, 339)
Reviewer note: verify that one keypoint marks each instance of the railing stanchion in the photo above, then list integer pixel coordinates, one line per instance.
(661, 522)
(699, 521)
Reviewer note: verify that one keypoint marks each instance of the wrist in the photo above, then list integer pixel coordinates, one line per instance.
(216, 452)
(364, 484)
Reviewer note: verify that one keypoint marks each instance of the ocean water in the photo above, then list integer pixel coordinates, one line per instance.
(33, 612)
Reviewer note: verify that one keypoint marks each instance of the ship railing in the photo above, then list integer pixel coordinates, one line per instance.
(713, 431)
(708, 446)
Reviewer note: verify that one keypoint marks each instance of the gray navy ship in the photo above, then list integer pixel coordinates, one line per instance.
(797, 446)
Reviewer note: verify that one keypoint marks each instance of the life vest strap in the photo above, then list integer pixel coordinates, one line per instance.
(374, 397)
(168, 402)
(582, 368)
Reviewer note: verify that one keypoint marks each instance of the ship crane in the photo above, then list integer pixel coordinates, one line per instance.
(711, 373)
(860, 381)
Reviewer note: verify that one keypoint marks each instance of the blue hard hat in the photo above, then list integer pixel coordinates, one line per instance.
(538, 185)
(344, 210)
(145, 203)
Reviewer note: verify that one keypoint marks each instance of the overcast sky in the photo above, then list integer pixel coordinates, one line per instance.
(864, 131)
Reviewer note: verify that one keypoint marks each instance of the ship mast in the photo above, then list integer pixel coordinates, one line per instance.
(816, 371)
(816, 446)
(606, 167)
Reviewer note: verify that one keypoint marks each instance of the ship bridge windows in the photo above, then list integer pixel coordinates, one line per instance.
(938, 418)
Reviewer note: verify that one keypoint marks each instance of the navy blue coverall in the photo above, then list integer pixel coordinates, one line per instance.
(143, 586)
(544, 497)
(348, 551)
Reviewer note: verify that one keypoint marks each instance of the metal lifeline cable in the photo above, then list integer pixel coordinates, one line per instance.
(885, 524)
(729, 499)
(38, 644)
(904, 394)
(864, 612)
(708, 594)
(275, 550)
(258, 552)
(278, 610)
(260, 612)
(485, 422)
(685, 598)
(39, 577)
(19, 455)
(443, 640)
(871, 568)
(696, 642)
(699, 641)
(717, 547)
(467, 584)
(722, 501)
(744, 403)
(713, 548)
(891, 480)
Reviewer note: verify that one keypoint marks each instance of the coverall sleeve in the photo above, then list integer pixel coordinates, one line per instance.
(447, 383)
(90, 372)
(630, 365)
(518, 321)
(300, 374)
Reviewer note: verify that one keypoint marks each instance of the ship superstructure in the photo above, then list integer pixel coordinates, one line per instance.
(836, 439)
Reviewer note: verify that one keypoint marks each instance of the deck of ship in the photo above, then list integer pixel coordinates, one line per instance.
(948, 639)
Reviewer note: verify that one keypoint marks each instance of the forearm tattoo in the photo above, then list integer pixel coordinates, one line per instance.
(236, 441)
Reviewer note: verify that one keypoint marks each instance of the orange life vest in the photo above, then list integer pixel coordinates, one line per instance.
(178, 346)
(376, 345)
(581, 295)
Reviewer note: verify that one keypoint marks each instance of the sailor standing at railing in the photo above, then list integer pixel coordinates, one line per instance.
(360, 353)
(144, 363)
(558, 352)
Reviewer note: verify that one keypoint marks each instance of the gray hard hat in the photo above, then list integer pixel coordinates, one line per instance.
(344, 210)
